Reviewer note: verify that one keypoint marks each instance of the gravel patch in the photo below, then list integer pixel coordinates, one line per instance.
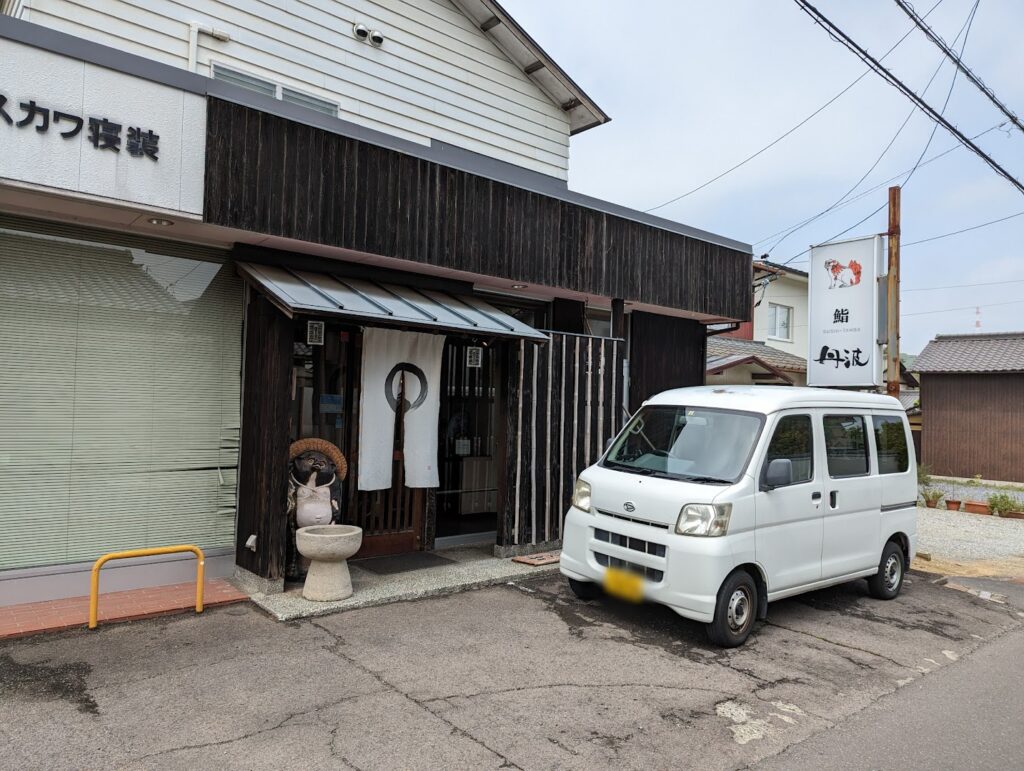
(959, 535)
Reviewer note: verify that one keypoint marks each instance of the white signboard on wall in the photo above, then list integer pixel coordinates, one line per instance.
(66, 125)
(843, 314)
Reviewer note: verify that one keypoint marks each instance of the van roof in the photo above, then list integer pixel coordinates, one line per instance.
(767, 399)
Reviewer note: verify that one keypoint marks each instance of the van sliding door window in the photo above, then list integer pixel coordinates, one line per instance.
(846, 446)
(891, 441)
(793, 440)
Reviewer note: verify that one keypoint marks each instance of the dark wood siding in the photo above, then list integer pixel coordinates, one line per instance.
(270, 175)
(664, 352)
(263, 456)
(563, 402)
(973, 424)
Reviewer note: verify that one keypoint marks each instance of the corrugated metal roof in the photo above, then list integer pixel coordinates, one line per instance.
(325, 294)
(990, 352)
(719, 346)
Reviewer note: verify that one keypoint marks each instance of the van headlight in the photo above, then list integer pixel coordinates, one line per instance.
(704, 519)
(581, 495)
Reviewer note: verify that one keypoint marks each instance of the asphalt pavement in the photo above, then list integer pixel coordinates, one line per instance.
(525, 675)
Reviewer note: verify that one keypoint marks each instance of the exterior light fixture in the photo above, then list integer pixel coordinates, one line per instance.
(160, 222)
(519, 286)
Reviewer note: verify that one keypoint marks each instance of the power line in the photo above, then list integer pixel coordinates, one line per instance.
(790, 131)
(891, 179)
(840, 36)
(923, 240)
(961, 286)
(965, 28)
(962, 308)
(941, 44)
(964, 230)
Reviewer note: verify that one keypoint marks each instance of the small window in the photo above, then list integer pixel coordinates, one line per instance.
(793, 439)
(312, 102)
(243, 79)
(891, 441)
(780, 321)
(846, 446)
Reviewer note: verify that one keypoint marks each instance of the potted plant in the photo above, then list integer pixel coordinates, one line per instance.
(1006, 505)
(977, 507)
(931, 496)
(953, 504)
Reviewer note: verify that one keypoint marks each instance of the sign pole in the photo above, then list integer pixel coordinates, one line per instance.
(892, 376)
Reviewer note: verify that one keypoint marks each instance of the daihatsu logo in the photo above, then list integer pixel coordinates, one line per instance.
(628, 506)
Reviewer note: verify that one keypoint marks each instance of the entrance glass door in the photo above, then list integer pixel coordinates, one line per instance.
(467, 500)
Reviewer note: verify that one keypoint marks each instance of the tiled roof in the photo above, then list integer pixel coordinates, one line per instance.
(723, 347)
(909, 397)
(991, 352)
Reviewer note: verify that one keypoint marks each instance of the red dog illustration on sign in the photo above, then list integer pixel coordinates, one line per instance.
(843, 275)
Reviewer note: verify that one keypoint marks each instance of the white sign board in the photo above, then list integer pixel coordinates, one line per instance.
(67, 125)
(843, 314)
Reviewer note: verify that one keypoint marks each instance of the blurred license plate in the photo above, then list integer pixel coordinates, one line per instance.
(620, 583)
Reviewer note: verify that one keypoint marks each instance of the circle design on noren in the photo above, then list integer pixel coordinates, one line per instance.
(389, 386)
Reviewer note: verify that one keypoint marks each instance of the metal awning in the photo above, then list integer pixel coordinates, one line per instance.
(370, 302)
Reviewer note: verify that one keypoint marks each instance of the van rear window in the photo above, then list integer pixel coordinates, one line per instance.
(891, 441)
(846, 445)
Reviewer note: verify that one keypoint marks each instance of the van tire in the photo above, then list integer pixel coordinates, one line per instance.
(585, 590)
(887, 582)
(735, 611)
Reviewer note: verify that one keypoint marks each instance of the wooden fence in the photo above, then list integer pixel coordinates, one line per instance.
(563, 402)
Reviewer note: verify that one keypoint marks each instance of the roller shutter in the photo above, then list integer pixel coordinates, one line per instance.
(119, 400)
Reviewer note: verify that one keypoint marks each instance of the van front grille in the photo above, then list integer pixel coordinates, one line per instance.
(651, 574)
(604, 513)
(636, 544)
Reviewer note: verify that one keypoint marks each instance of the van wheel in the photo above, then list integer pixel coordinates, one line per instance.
(735, 611)
(887, 582)
(585, 590)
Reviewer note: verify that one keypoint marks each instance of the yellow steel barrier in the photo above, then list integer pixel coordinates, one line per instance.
(94, 592)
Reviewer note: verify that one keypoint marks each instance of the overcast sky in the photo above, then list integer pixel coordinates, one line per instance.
(695, 87)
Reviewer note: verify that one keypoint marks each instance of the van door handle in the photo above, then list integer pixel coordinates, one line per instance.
(832, 498)
(815, 496)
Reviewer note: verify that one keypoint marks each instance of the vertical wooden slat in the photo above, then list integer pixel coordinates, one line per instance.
(548, 435)
(520, 359)
(316, 186)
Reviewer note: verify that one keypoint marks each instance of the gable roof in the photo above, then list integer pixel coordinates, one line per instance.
(988, 352)
(505, 32)
(722, 348)
(779, 268)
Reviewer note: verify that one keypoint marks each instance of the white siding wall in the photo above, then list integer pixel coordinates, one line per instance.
(436, 77)
(790, 291)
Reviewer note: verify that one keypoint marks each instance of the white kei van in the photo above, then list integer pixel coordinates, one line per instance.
(717, 500)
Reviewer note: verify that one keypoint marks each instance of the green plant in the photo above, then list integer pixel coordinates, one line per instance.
(974, 481)
(924, 475)
(1002, 502)
(932, 495)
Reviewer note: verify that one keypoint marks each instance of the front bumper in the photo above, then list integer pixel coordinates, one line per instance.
(691, 570)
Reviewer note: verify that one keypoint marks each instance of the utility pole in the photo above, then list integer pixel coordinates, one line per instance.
(892, 374)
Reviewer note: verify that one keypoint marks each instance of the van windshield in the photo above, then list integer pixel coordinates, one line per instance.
(696, 444)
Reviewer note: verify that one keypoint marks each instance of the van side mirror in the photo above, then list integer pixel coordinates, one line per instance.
(780, 473)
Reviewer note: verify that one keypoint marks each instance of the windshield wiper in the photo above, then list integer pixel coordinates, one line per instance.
(632, 469)
(707, 480)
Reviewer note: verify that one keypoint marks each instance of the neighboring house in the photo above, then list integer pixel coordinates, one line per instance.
(972, 397)
(735, 361)
(779, 323)
(208, 213)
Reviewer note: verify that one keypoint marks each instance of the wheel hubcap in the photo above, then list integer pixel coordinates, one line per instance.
(892, 572)
(739, 610)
